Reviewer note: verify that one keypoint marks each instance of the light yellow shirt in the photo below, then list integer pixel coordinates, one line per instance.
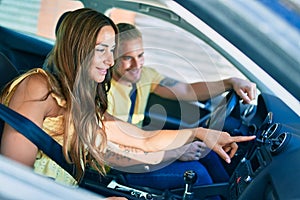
(119, 101)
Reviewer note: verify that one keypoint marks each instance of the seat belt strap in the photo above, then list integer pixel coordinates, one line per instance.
(132, 96)
(37, 136)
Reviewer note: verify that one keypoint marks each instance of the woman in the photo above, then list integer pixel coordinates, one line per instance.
(68, 100)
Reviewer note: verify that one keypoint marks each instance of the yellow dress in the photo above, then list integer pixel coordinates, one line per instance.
(54, 127)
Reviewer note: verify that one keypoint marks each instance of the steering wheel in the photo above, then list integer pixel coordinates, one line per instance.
(222, 110)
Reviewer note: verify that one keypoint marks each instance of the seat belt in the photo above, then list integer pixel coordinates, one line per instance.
(132, 96)
(37, 136)
(54, 150)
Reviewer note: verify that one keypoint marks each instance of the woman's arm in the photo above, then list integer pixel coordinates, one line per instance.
(122, 156)
(149, 141)
(125, 134)
(26, 101)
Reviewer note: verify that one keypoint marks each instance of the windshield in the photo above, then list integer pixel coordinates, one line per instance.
(259, 32)
(289, 10)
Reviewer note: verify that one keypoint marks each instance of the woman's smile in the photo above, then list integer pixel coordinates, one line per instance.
(102, 71)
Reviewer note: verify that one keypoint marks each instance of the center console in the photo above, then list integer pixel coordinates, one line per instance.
(271, 143)
(248, 168)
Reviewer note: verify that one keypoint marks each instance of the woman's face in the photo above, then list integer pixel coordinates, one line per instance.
(104, 54)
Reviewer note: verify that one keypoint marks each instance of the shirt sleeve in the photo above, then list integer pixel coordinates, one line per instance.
(154, 76)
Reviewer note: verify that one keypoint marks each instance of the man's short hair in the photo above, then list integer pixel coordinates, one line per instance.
(128, 32)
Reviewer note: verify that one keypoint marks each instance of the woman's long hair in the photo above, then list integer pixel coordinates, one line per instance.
(86, 101)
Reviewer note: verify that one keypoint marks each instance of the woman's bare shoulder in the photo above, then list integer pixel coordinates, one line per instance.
(31, 97)
(34, 87)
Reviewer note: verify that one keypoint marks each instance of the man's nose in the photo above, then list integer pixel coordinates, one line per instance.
(136, 63)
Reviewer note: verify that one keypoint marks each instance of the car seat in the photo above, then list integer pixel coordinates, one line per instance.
(7, 70)
(7, 73)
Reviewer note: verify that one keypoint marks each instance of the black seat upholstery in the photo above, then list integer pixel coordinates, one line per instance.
(7, 73)
(7, 70)
(24, 51)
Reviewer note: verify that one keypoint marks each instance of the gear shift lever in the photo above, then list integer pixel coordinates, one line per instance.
(190, 178)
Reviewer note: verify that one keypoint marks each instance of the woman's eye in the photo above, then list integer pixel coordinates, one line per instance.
(100, 50)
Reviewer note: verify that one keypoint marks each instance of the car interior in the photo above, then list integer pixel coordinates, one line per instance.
(259, 169)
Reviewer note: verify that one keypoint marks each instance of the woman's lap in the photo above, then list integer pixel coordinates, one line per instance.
(170, 176)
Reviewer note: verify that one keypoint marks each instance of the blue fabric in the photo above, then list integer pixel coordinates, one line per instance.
(209, 170)
(170, 176)
(215, 167)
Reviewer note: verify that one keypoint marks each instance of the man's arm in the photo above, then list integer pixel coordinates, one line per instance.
(173, 89)
(193, 151)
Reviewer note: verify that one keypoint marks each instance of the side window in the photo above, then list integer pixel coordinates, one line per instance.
(34, 17)
(30, 22)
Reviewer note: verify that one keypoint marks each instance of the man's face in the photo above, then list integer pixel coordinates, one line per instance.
(131, 61)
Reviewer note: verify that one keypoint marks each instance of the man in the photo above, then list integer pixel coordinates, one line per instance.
(129, 69)
(129, 73)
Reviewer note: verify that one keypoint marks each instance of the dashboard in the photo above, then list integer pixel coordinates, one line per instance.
(265, 168)
(269, 169)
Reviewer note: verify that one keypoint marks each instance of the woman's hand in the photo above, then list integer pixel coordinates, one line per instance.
(223, 144)
(116, 198)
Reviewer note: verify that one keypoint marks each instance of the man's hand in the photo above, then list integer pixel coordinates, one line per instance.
(193, 151)
(244, 88)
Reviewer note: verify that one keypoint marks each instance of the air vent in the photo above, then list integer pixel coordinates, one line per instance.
(279, 143)
(248, 111)
(271, 132)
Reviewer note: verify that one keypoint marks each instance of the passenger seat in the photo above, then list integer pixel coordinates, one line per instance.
(7, 70)
(7, 73)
